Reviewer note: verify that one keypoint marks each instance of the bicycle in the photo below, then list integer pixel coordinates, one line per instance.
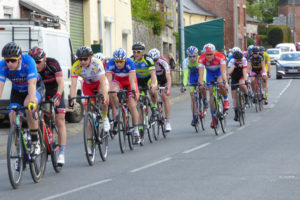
(50, 132)
(199, 109)
(161, 118)
(240, 104)
(217, 108)
(148, 120)
(258, 94)
(19, 151)
(123, 120)
(93, 119)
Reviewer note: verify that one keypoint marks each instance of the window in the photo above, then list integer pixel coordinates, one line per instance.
(107, 41)
(8, 12)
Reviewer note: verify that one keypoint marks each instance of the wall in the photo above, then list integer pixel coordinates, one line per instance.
(242, 29)
(14, 4)
(190, 19)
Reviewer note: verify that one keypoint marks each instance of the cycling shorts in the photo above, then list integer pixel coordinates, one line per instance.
(88, 89)
(124, 84)
(255, 72)
(61, 108)
(192, 80)
(212, 76)
(236, 81)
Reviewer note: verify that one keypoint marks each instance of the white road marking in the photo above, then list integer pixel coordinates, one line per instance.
(225, 136)
(286, 87)
(77, 189)
(197, 148)
(151, 165)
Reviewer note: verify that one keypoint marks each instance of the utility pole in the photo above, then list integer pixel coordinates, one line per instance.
(294, 23)
(181, 34)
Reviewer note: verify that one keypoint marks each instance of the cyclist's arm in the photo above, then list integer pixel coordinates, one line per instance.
(245, 73)
(230, 67)
(109, 77)
(185, 72)
(104, 88)
(1, 88)
(132, 78)
(153, 77)
(73, 87)
(169, 81)
(223, 71)
(201, 71)
(60, 84)
(249, 67)
(263, 66)
(32, 89)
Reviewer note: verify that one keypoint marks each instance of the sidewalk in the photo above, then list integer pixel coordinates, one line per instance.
(75, 128)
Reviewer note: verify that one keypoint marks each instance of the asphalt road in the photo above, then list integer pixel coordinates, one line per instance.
(257, 161)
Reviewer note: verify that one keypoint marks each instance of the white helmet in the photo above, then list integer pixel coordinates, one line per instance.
(209, 48)
(99, 56)
(234, 49)
(154, 53)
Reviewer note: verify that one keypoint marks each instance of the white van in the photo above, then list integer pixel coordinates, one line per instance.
(56, 43)
(286, 47)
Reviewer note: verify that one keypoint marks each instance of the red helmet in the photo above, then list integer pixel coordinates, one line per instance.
(37, 53)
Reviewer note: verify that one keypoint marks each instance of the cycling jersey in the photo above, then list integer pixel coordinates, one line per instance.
(162, 68)
(89, 74)
(49, 74)
(267, 59)
(256, 62)
(237, 73)
(22, 75)
(144, 67)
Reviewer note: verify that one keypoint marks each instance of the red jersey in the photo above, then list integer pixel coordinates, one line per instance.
(214, 65)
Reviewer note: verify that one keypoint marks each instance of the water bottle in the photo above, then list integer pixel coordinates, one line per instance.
(49, 134)
(95, 119)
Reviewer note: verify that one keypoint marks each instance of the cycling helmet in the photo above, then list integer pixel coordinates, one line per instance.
(99, 56)
(84, 52)
(138, 46)
(192, 50)
(11, 49)
(234, 49)
(238, 55)
(119, 54)
(255, 49)
(37, 53)
(261, 49)
(209, 48)
(154, 53)
(250, 46)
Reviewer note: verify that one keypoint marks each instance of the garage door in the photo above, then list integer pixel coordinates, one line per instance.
(76, 24)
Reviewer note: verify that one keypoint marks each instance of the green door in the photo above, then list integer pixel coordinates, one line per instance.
(76, 24)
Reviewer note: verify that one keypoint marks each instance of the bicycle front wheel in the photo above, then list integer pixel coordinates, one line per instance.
(122, 129)
(15, 153)
(54, 148)
(213, 107)
(38, 162)
(129, 130)
(222, 113)
(195, 112)
(89, 138)
(103, 142)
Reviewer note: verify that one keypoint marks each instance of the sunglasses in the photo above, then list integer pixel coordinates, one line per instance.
(193, 56)
(255, 53)
(38, 62)
(138, 51)
(83, 59)
(11, 60)
(209, 54)
(119, 61)
(156, 59)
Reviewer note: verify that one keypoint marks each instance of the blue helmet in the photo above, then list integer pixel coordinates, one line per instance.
(192, 50)
(120, 54)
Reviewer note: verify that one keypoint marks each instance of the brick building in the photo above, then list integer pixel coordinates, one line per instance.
(285, 8)
(234, 13)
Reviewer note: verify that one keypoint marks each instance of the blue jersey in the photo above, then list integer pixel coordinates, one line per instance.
(124, 72)
(21, 76)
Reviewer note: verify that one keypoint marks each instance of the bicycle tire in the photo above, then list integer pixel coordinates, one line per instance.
(197, 114)
(129, 132)
(37, 167)
(15, 181)
(222, 115)
(54, 150)
(148, 127)
(88, 118)
(214, 104)
(102, 142)
(142, 114)
(243, 107)
(121, 129)
(153, 121)
(201, 112)
(238, 107)
(162, 120)
(111, 121)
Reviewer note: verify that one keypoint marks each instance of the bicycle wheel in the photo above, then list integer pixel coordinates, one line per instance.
(15, 153)
(54, 149)
(111, 121)
(37, 163)
(222, 113)
(213, 107)
(238, 107)
(102, 141)
(89, 141)
(122, 129)
(129, 128)
(201, 115)
(153, 122)
(243, 107)
(142, 115)
(195, 112)
(147, 126)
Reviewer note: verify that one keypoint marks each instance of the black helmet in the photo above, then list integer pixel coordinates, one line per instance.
(138, 46)
(255, 49)
(37, 53)
(261, 49)
(84, 52)
(11, 49)
(237, 55)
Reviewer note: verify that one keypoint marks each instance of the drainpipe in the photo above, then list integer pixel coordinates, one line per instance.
(100, 27)
(181, 31)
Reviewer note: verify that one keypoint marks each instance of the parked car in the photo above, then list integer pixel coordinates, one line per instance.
(274, 54)
(288, 65)
(286, 47)
(56, 44)
(298, 46)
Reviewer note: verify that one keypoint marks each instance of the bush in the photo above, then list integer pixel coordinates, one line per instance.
(263, 40)
(261, 29)
(275, 36)
(250, 41)
(286, 31)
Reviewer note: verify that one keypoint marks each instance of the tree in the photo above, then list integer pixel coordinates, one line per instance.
(264, 10)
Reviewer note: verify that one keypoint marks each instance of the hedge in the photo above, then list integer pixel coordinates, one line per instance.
(287, 35)
(275, 36)
(263, 40)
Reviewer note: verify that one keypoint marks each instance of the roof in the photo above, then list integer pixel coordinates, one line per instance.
(34, 7)
(288, 2)
(190, 6)
(250, 19)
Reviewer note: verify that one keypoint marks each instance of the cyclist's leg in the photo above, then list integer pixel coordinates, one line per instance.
(193, 79)
(253, 74)
(234, 97)
(153, 92)
(134, 113)
(113, 97)
(16, 100)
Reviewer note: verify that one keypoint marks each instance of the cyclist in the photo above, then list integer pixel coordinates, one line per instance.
(125, 78)
(164, 79)
(234, 49)
(27, 88)
(215, 64)
(93, 74)
(257, 64)
(267, 59)
(52, 77)
(191, 67)
(239, 74)
(145, 72)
